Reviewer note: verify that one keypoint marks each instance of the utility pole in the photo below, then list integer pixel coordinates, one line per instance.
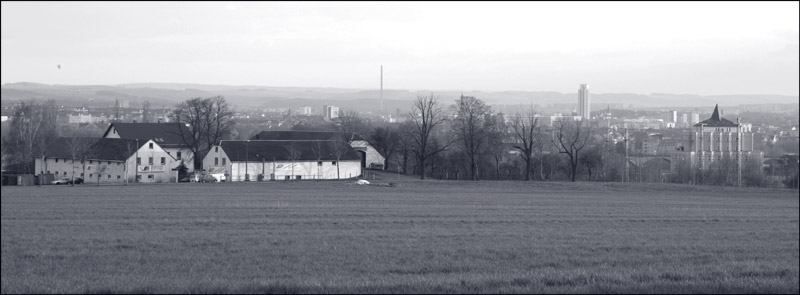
(246, 148)
(137, 161)
(739, 147)
(627, 169)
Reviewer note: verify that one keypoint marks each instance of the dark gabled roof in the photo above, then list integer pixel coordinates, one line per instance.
(266, 150)
(104, 149)
(716, 120)
(165, 134)
(302, 135)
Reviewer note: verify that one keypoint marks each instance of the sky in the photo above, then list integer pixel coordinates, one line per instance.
(705, 48)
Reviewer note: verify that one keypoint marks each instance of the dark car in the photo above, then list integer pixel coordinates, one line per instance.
(78, 180)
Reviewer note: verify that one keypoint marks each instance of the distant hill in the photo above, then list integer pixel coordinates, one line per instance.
(164, 94)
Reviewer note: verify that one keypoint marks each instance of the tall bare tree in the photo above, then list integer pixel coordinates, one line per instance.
(351, 123)
(470, 126)
(293, 153)
(209, 121)
(496, 137)
(386, 140)
(318, 151)
(338, 148)
(426, 115)
(78, 148)
(31, 129)
(527, 138)
(571, 138)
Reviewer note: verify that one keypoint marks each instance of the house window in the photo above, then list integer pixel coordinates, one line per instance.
(56, 173)
(150, 160)
(56, 160)
(163, 160)
(216, 161)
(109, 162)
(118, 177)
(118, 163)
(81, 174)
(151, 145)
(149, 176)
(65, 173)
(114, 131)
(90, 161)
(88, 167)
(109, 176)
(48, 171)
(179, 155)
(90, 175)
(333, 163)
(138, 178)
(138, 160)
(288, 177)
(223, 161)
(216, 149)
(319, 163)
(298, 177)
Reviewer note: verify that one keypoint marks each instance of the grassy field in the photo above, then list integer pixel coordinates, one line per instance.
(421, 236)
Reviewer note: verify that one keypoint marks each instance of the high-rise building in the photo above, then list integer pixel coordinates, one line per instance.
(330, 112)
(685, 118)
(671, 117)
(583, 102)
(695, 118)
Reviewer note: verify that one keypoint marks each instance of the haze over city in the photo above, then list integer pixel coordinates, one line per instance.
(654, 47)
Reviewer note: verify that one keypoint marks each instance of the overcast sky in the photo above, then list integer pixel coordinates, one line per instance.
(674, 47)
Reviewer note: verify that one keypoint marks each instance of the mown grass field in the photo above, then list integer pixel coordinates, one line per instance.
(431, 236)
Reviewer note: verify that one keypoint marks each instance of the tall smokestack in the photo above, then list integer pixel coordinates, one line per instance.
(381, 88)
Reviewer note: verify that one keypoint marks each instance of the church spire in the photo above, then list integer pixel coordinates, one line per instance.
(715, 115)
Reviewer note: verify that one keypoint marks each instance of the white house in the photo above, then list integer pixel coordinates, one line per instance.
(253, 160)
(370, 157)
(169, 136)
(109, 160)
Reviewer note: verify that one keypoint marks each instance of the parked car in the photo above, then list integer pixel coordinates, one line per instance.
(64, 180)
(67, 180)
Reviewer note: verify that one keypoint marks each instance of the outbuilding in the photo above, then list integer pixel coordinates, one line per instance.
(252, 160)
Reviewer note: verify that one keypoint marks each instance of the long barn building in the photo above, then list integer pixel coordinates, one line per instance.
(252, 160)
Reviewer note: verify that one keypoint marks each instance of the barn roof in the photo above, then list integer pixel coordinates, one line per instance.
(165, 134)
(716, 120)
(301, 135)
(258, 150)
(104, 149)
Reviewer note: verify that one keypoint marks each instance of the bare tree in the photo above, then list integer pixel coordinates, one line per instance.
(31, 129)
(350, 123)
(386, 140)
(405, 146)
(293, 153)
(338, 148)
(526, 137)
(470, 128)
(209, 120)
(496, 137)
(318, 151)
(571, 138)
(100, 170)
(592, 159)
(78, 148)
(426, 115)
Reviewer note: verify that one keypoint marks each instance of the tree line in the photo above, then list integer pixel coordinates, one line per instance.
(465, 140)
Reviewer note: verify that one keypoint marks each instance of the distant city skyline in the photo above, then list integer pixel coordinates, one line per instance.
(642, 47)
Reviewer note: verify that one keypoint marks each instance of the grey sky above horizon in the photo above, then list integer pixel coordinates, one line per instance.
(706, 48)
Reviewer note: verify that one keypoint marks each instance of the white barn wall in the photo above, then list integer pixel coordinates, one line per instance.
(305, 169)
